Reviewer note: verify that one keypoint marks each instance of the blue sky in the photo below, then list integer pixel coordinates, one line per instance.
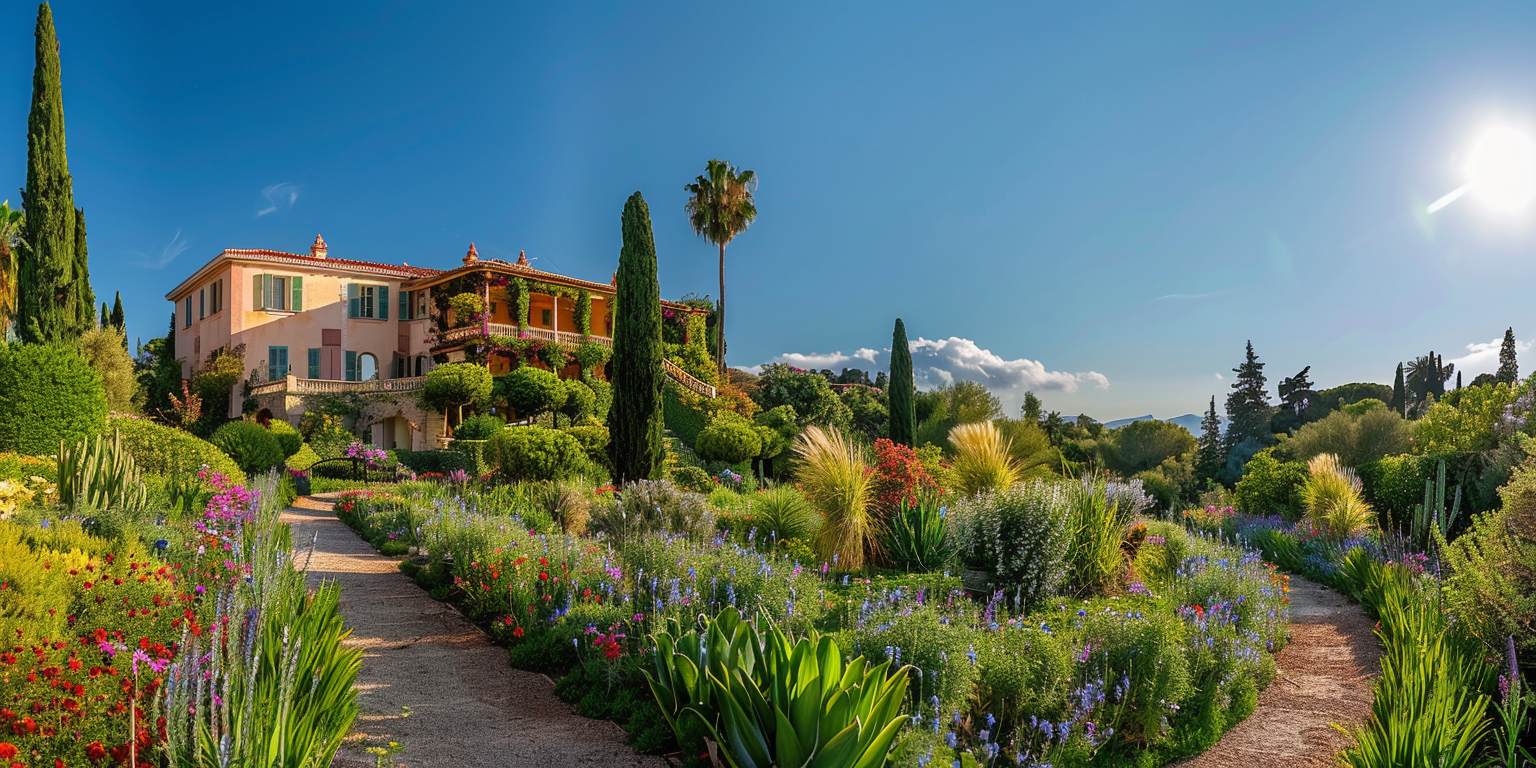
(1100, 205)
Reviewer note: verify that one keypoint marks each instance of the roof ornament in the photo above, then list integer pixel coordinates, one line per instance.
(615, 281)
(318, 249)
(522, 259)
(471, 257)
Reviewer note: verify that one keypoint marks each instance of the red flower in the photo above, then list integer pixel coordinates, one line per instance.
(7, 750)
(95, 751)
(543, 577)
(517, 632)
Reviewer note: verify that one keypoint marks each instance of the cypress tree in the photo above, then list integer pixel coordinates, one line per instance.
(1399, 393)
(85, 298)
(47, 298)
(635, 419)
(1248, 408)
(1509, 371)
(903, 402)
(118, 321)
(106, 317)
(1209, 456)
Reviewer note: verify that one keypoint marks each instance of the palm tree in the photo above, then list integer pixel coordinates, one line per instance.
(720, 207)
(10, 242)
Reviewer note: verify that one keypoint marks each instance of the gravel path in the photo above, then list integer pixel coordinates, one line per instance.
(432, 681)
(1325, 677)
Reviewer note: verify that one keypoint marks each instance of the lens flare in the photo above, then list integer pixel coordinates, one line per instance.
(1501, 170)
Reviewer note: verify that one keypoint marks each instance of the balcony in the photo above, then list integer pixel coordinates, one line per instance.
(455, 336)
(293, 385)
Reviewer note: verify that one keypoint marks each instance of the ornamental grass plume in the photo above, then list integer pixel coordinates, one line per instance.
(982, 461)
(1332, 497)
(834, 474)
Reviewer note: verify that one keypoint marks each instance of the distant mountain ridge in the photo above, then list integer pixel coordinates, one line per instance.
(1188, 421)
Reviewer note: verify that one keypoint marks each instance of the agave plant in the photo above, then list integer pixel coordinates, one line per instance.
(917, 537)
(684, 661)
(99, 474)
(771, 700)
(814, 711)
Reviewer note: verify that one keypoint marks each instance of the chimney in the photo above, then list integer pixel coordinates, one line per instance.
(318, 249)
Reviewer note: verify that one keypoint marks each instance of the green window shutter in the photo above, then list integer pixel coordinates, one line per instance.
(266, 285)
(258, 292)
(405, 305)
(277, 362)
(351, 366)
(188, 322)
(314, 363)
(298, 293)
(353, 299)
(383, 302)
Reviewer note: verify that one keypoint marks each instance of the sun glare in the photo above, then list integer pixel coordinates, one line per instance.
(1501, 170)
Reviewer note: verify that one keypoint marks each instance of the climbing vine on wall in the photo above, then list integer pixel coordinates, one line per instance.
(517, 296)
(584, 313)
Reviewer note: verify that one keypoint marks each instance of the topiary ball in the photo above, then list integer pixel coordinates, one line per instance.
(537, 453)
(250, 445)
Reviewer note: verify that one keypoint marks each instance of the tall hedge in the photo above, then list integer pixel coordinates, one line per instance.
(162, 450)
(635, 419)
(48, 393)
(903, 404)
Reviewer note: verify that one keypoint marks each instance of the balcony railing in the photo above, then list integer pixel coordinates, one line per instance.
(456, 335)
(294, 385)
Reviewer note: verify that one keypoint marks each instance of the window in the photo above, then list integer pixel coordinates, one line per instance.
(544, 318)
(277, 293)
(421, 305)
(215, 297)
(277, 363)
(369, 302)
(362, 366)
(202, 304)
(188, 313)
(314, 363)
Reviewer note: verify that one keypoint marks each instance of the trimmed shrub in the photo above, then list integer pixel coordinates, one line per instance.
(537, 453)
(729, 438)
(579, 401)
(303, 458)
(481, 427)
(475, 451)
(288, 438)
(163, 450)
(249, 444)
(530, 391)
(48, 394)
(594, 442)
(691, 478)
(683, 417)
(455, 385)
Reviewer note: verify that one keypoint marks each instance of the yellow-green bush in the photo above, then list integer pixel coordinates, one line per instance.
(163, 450)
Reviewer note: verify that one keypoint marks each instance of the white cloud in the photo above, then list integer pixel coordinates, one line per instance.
(280, 195)
(177, 246)
(1483, 357)
(946, 361)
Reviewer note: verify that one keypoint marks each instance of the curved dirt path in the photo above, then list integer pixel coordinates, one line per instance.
(1325, 677)
(432, 681)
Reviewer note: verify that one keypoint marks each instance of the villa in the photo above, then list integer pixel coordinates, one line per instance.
(316, 326)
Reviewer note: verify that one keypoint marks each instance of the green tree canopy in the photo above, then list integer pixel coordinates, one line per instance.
(720, 207)
(1143, 445)
(455, 385)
